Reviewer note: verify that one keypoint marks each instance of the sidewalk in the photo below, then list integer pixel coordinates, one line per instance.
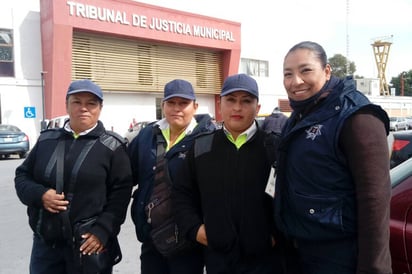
(130, 246)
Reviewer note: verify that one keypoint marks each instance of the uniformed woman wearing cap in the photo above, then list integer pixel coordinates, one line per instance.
(176, 132)
(75, 175)
(220, 199)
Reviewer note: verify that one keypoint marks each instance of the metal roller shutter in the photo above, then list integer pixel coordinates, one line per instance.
(118, 64)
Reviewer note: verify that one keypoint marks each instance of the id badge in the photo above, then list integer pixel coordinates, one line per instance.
(270, 186)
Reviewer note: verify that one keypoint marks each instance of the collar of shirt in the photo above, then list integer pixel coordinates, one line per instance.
(69, 129)
(165, 128)
(243, 137)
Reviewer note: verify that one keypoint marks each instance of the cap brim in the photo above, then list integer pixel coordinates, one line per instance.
(229, 91)
(180, 96)
(84, 90)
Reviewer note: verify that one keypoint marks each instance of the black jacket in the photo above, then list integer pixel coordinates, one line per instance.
(224, 188)
(102, 187)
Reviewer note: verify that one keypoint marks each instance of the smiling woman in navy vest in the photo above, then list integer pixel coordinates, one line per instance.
(333, 187)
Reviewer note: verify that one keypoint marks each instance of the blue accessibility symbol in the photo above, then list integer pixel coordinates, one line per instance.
(29, 112)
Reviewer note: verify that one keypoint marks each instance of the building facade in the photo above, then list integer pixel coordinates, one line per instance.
(130, 49)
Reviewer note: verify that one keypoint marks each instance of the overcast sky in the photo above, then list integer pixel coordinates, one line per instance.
(281, 24)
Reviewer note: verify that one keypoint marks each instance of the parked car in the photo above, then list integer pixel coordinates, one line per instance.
(13, 141)
(57, 122)
(397, 123)
(134, 130)
(401, 147)
(409, 121)
(401, 218)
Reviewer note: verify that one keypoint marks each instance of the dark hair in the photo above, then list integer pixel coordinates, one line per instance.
(314, 47)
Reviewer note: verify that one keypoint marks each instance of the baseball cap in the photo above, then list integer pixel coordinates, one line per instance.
(179, 88)
(85, 86)
(240, 82)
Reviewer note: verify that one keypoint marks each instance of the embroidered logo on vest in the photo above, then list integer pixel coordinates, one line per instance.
(313, 131)
(182, 155)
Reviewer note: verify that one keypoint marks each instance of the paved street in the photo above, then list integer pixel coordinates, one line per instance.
(15, 233)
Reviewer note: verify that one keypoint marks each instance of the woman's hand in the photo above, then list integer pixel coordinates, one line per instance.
(91, 244)
(201, 235)
(54, 202)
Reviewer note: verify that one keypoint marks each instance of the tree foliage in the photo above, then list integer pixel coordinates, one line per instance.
(396, 82)
(338, 64)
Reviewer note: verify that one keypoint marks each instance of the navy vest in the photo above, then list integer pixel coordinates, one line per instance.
(315, 193)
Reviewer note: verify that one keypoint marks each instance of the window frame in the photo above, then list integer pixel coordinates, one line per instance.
(6, 53)
(254, 67)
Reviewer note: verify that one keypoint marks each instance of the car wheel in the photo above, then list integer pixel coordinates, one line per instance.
(23, 155)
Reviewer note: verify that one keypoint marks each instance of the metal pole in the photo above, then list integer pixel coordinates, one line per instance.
(43, 123)
(347, 38)
(402, 79)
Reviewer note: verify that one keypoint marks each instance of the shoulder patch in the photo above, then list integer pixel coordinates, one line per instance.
(49, 134)
(203, 144)
(112, 140)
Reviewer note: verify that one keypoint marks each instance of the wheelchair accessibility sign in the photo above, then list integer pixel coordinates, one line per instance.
(29, 112)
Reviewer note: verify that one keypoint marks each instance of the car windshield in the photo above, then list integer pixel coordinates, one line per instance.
(9, 128)
(400, 172)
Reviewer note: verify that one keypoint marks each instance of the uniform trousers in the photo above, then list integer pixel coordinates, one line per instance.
(152, 262)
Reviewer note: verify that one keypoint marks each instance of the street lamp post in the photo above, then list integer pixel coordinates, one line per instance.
(43, 123)
(402, 79)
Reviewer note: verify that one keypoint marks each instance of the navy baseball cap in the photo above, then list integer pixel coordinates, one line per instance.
(179, 88)
(240, 82)
(85, 86)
